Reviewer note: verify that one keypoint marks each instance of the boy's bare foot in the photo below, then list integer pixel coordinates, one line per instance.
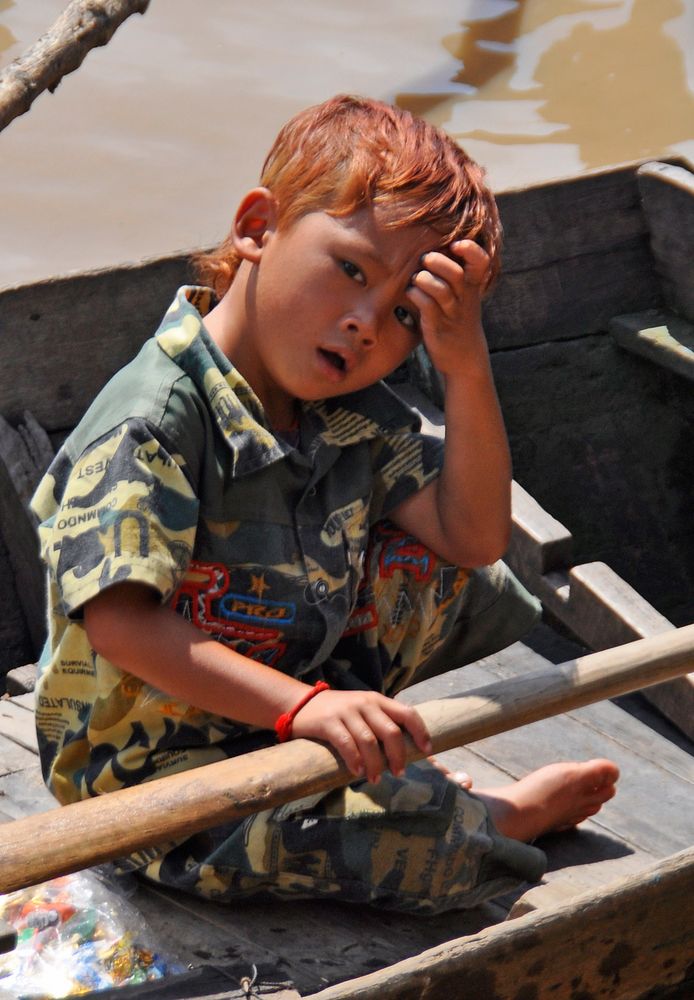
(555, 797)
(460, 778)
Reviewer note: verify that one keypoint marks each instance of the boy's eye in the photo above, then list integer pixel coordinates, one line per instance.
(353, 271)
(407, 318)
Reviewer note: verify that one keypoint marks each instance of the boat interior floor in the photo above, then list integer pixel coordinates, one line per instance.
(309, 945)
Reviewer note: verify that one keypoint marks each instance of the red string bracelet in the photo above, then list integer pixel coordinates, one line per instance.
(283, 726)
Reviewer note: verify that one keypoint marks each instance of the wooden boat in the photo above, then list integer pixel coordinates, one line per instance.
(599, 435)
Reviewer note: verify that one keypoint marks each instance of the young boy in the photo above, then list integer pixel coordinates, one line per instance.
(248, 539)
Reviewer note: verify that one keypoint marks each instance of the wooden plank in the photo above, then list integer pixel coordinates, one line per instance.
(668, 206)
(27, 452)
(97, 321)
(570, 297)
(660, 336)
(310, 942)
(16, 644)
(604, 611)
(618, 944)
(575, 253)
(21, 680)
(546, 222)
(14, 757)
(17, 724)
(25, 701)
(539, 543)
(19, 537)
(23, 793)
(104, 828)
(571, 881)
(599, 439)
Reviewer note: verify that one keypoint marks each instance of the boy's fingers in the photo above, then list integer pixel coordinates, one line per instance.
(370, 752)
(444, 267)
(341, 739)
(410, 719)
(390, 736)
(473, 258)
(436, 288)
(426, 305)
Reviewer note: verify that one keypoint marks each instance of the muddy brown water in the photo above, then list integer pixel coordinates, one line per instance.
(147, 147)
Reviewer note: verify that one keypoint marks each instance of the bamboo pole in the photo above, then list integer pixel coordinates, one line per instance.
(105, 828)
(83, 25)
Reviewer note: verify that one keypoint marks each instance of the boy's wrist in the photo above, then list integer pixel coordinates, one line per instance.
(284, 723)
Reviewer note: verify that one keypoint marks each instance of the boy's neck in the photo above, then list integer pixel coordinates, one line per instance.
(227, 324)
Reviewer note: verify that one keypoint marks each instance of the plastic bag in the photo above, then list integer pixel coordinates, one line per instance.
(76, 934)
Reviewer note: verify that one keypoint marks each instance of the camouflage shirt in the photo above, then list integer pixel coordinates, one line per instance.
(174, 479)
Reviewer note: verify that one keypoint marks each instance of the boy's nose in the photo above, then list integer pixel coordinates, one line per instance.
(363, 328)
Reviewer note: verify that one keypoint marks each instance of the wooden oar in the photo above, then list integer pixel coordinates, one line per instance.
(102, 829)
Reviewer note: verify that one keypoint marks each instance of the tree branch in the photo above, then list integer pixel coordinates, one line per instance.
(83, 25)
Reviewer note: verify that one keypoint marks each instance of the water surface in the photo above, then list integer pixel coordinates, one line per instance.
(147, 147)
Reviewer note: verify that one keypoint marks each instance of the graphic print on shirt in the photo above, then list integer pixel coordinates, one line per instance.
(403, 552)
(246, 619)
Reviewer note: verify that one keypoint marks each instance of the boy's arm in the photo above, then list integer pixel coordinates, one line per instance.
(465, 514)
(129, 626)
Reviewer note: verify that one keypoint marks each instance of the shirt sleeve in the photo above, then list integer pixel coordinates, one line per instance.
(124, 511)
(403, 463)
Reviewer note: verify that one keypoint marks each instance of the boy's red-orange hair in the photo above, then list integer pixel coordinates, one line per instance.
(350, 152)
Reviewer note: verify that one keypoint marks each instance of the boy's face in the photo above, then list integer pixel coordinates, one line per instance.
(327, 307)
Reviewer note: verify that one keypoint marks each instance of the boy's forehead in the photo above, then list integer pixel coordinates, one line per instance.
(371, 230)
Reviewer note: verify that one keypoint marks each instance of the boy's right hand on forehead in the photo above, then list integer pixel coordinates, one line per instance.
(365, 728)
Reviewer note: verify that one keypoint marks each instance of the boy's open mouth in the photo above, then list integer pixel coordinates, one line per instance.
(333, 358)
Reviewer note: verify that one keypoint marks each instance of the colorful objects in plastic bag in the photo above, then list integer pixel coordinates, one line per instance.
(77, 934)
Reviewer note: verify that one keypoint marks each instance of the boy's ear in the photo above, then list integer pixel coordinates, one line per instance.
(256, 216)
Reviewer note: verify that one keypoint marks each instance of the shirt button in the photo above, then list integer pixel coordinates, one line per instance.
(320, 588)
(311, 491)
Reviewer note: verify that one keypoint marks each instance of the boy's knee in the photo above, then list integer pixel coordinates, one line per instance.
(496, 610)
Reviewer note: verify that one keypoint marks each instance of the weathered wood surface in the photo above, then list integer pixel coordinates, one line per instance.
(616, 943)
(667, 193)
(576, 253)
(15, 639)
(83, 25)
(660, 336)
(78, 331)
(105, 828)
(592, 601)
(27, 452)
(21, 680)
(17, 722)
(22, 624)
(603, 441)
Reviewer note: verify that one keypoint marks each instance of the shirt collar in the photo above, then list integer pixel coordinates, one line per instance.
(239, 414)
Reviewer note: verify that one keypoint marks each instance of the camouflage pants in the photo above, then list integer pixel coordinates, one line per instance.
(416, 843)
